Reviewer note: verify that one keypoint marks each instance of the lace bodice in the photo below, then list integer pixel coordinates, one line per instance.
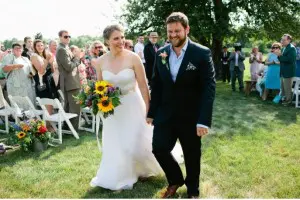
(125, 79)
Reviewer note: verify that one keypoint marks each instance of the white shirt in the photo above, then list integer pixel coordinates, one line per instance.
(139, 49)
(224, 55)
(236, 59)
(175, 61)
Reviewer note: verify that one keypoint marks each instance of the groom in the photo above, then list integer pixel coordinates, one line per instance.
(183, 91)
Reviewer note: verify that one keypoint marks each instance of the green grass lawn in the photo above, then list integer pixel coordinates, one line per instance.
(252, 151)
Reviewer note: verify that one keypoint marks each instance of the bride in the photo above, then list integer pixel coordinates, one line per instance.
(127, 150)
(126, 137)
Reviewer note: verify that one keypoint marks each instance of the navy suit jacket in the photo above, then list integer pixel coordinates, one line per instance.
(188, 100)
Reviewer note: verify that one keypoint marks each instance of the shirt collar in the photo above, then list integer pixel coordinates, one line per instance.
(183, 48)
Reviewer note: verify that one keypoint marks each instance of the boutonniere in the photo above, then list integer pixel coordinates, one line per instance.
(164, 56)
(191, 67)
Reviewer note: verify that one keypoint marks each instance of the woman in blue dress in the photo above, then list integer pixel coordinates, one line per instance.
(273, 73)
(297, 59)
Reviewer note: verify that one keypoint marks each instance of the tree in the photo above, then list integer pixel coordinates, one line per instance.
(213, 20)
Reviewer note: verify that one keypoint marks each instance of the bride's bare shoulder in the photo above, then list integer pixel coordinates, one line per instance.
(130, 53)
(101, 59)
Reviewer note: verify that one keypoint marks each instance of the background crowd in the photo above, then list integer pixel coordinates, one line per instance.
(39, 69)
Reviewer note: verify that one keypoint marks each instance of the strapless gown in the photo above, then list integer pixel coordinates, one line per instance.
(126, 138)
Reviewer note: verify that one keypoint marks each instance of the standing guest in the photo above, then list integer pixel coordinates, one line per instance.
(69, 82)
(52, 49)
(139, 48)
(81, 68)
(237, 67)
(129, 45)
(255, 60)
(2, 52)
(272, 80)
(149, 53)
(28, 50)
(97, 49)
(287, 59)
(183, 75)
(2, 48)
(297, 59)
(225, 65)
(42, 61)
(18, 69)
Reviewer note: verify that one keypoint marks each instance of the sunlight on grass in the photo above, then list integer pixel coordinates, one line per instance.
(252, 151)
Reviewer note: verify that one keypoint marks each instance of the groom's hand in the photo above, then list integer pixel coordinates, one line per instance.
(149, 121)
(201, 131)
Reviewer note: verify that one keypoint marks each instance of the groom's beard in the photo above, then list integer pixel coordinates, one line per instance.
(177, 42)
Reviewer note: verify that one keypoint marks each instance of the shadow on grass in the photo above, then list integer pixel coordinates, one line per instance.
(14, 156)
(142, 189)
(234, 113)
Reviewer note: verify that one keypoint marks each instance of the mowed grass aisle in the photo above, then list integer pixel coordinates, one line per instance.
(253, 151)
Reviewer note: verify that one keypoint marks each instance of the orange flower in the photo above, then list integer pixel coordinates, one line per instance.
(25, 127)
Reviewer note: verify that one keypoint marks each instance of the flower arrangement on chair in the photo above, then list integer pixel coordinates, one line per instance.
(101, 96)
(29, 134)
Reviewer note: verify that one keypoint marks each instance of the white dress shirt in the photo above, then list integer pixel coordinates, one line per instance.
(139, 49)
(236, 59)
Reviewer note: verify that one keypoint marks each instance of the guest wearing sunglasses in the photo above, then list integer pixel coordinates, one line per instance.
(273, 72)
(129, 45)
(69, 81)
(97, 49)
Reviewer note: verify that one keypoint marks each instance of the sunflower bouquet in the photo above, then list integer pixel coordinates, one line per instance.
(101, 96)
(26, 133)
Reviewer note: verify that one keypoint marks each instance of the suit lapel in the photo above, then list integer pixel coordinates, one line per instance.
(168, 64)
(185, 61)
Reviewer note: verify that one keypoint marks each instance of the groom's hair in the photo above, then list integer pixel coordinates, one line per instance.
(178, 17)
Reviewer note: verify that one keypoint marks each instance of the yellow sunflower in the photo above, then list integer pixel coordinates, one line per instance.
(105, 105)
(101, 87)
(21, 134)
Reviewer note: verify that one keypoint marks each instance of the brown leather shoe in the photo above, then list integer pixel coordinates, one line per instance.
(170, 191)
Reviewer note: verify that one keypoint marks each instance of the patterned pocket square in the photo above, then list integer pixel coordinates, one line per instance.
(191, 67)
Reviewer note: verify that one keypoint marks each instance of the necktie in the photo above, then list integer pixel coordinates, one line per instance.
(155, 48)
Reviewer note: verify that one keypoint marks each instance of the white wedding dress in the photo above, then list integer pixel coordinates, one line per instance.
(126, 138)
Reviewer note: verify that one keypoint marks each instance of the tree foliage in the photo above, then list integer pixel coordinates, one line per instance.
(213, 20)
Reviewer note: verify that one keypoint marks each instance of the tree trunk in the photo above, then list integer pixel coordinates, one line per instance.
(216, 55)
(219, 32)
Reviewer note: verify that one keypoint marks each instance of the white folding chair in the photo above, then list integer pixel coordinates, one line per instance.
(5, 112)
(61, 98)
(23, 106)
(86, 113)
(89, 117)
(296, 91)
(56, 119)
